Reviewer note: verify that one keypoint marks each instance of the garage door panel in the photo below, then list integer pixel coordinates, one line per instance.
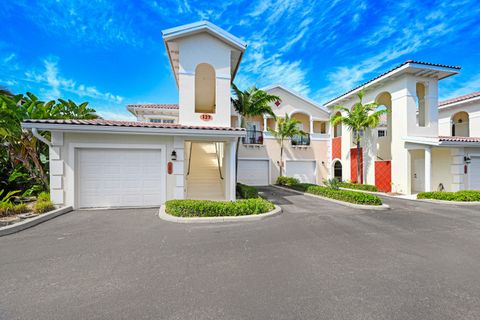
(474, 173)
(302, 170)
(254, 172)
(120, 177)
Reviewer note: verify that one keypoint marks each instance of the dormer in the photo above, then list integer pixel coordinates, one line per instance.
(204, 60)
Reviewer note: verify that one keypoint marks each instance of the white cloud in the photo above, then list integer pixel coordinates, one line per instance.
(55, 85)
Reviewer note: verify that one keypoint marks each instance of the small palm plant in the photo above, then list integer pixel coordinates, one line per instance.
(358, 119)
(286, 129)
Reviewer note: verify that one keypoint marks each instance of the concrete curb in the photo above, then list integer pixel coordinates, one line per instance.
(460, 203)
(28, 223)
(165, 216)
(343, 203)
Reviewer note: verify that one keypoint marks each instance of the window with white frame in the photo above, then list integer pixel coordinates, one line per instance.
(381, 133)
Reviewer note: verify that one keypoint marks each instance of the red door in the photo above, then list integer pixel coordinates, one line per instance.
(383, 175)
(353, 164)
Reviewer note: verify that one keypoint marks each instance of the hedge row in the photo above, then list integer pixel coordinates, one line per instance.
(208, 208)
(287, 181)
(247, 192)
(463, 195)
(365, 187)
(342, 195)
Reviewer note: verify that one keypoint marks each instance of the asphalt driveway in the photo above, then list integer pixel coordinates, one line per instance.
(315, 261)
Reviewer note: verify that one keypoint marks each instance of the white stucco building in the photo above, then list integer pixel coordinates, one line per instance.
(187, 150)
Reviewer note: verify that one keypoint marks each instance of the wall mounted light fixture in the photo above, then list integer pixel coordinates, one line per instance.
(173, 155)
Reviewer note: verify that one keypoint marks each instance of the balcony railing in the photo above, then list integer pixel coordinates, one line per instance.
(301, 140)
(253, 137)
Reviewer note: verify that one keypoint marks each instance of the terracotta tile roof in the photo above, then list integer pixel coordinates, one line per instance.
(132, 124)
(155, 105)
(393, 69)
(458, 139)
(458, 99)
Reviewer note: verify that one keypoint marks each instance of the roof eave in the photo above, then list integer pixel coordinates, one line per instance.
(457, 103)
(136, 130)
(302, 97)
(450, 71)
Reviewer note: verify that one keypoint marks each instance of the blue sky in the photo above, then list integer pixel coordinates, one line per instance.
(111, 53)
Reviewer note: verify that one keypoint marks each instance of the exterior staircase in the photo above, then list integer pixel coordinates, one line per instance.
(204, 181)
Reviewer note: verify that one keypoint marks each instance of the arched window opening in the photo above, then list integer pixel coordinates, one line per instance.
(460, 124)
(337, 129)
(205, 83)
(337, 170)
(422, 109)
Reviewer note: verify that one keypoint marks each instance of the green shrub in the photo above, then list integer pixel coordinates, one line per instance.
(463, 195)
(342, 195)
(332, 183)
(247, 192)
(366, 187)
(287, 181)
(208, 208)
(43, 196)
(43, 206)
(8, 209)
(20, 208)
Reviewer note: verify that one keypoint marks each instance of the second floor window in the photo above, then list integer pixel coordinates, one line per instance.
(162, 120)
(382, 133)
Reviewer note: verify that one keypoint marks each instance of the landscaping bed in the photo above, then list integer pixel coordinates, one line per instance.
(15, 209)
(250, 204)
(209, 208)
(356, 186)
(354, 197)
(460, 196)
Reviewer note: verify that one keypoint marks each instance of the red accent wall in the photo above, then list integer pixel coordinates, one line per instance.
(353, 164)
(337, 148)
(383, 175)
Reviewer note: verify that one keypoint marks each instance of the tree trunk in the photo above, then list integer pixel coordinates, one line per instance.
(359, 175)
(281, 158)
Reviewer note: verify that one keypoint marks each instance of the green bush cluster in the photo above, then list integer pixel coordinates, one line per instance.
(287, 181)
(366, 187)
(342, 195)
(247, 192)
(9, 209)
(208, 208)
(463, 195)
(43, 203)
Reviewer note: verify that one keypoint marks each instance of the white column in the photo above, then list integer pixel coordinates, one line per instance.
(428, 169)
(230, 183)
(264, 123)
(457, 169)
(311, 125)
(239, 121)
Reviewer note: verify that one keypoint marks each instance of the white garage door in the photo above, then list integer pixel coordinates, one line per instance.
(120, 178)
(474, 174)
(253, 172)
(302, 170)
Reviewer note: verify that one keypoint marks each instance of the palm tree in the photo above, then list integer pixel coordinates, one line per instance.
(250, 103)
(358, 119)
(286, 129)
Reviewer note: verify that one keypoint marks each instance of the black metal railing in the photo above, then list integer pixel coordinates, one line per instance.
(253, 137)
(301, 140)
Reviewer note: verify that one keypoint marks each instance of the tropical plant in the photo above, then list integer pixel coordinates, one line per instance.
(22, 153)
(332, 183)
(286, 129)
(358, 119)
(250, 103)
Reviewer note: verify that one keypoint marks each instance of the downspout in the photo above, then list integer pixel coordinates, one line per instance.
(40, 137)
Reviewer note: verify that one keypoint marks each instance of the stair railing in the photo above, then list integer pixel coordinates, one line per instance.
(218, 161)
(189, 158)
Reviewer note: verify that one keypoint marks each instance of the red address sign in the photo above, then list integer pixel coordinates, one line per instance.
(206, 117)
